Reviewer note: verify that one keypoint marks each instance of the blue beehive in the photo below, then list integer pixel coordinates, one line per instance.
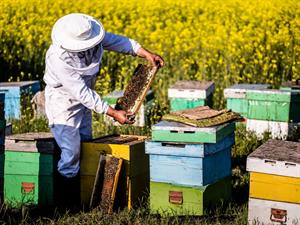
(196, 164)
(14, 92)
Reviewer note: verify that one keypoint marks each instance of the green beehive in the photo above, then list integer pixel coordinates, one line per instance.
(29, 169)
(169, 199)
(187, 94)
(274, 105)
(236, 96)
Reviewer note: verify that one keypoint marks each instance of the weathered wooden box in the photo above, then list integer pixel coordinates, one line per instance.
(236, 96)
(168, 199)
(186, 94)
(190, 164)
(272, 212)
(134, 178)
(29, 169)
(275, 166)
(14, 95)
(178, 132)
(141, 117)
(274, 105)
(281, 130)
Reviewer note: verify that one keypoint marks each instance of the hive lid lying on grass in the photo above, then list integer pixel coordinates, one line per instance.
(202, 116)
(191, 89)
(276, 157)
(30, 142)
(239, 90)
(137, 88)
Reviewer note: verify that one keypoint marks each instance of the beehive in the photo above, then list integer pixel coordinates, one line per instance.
(141, 116)
(236, 96)
(15, 93)
(169, 199)
(275, 174)
(274, 105)
(29, 169)
(281, 130)
(186, 94)
(190, 164)
(178, 132)
(134, 177)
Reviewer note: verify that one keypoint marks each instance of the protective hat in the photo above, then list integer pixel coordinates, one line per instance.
(77, 32)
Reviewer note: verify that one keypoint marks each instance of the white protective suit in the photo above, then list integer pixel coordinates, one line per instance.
(69, 98)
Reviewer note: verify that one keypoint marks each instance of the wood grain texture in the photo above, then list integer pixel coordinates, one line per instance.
(190, 171)
(274, 187)
(195, 200)
(188, 149)
(178, 132)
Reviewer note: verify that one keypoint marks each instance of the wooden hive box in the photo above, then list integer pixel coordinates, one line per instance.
(272, 212)
(281, 130)
(274, 105)
(175, 200)
(14, 95)
(134, 178)
(141, 117)
(190, 164)
(29, 169)
(275, 166)
(186, 94)
(179, 132)
(236, 96)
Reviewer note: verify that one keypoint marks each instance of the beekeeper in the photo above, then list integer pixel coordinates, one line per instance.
(72, 63)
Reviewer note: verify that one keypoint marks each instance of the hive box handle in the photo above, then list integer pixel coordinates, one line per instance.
(176, 197)
(27, 187)
(278, 215)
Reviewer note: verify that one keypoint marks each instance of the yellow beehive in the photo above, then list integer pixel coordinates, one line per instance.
(274, 187)
(134, 178)
(275, 171)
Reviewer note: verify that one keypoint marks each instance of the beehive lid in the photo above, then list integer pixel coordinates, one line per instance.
(276, 157)
(192, 84)
(239, 90)
(119, 139)
(30, 142)
(16, 84)
(191, 89)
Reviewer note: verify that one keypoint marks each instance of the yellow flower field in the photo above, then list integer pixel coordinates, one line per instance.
(231, 41)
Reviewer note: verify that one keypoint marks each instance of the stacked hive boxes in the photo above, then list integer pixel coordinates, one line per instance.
(186, 94)
(141, 117)
(275, 111)
(15, 95)
(2, 140)
(275, 183)
(29, 169)
(134, 177)
(190, 168)
(236, 97)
